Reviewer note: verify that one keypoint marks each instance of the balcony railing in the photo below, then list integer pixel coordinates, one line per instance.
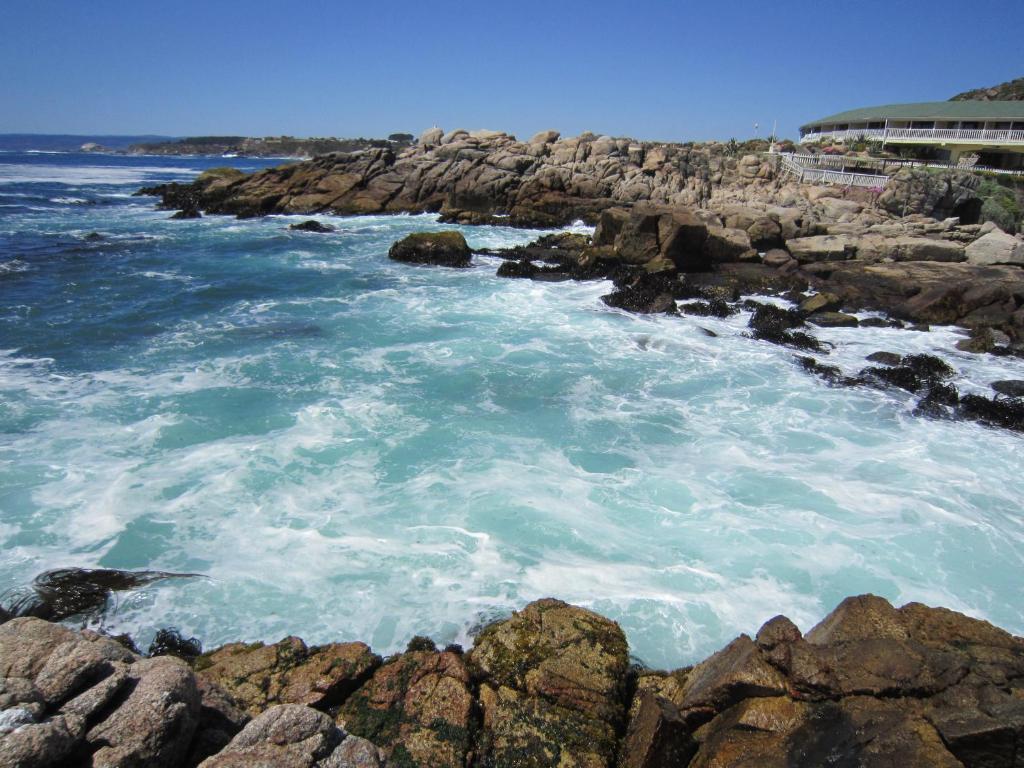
(802, 167)
(867, 133)
(910, 135)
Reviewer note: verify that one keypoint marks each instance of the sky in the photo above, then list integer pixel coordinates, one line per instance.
(667, 70)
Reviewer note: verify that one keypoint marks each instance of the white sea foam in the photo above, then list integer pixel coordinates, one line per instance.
(14, 173)
(372, 450)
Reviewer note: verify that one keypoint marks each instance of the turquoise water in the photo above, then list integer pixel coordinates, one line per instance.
(350, 448)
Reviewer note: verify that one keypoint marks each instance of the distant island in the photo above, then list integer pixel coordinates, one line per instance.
(269, 146)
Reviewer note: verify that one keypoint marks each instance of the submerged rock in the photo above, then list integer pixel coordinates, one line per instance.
(446, 249)
(66, 592)
(1003, 412)
(191, 212)
(1009, 387)
(713, 308)
(312, 225)
(774, 324)
(885, 358)
(833, 320)
(646, 293)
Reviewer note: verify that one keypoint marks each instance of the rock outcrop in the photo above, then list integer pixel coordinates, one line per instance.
(870, 685)
(258, 676)
(418, 706)
(471, 176)
(445, 249)
(552, 687)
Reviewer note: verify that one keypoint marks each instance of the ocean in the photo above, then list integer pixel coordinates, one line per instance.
(349, 448)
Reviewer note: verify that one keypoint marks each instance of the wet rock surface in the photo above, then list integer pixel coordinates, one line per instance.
(312, 225)
(870, 685)
(445, 249)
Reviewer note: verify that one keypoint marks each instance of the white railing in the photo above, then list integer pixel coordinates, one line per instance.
(843, 178)
(947, 135)
(856, 133)
(964, 135)
(798, 161)
(803, 168)
(790, 166)
(821, 161)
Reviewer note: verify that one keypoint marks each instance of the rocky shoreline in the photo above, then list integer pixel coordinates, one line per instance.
(870, 685)
(913, 250)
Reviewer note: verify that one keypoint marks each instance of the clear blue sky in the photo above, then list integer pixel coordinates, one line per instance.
(659, 70)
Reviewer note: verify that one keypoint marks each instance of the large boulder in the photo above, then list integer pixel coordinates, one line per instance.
(66, 693)
(552, 686)
(258, 676)
(922, 191)
(908, 248)
(657, 734)
(996, 247)
(871, 685)
(545, 137)
(447, 249)
(417, 707)
(724, 245)
(293, 736)
(925, 291)
(822, 248)
(647, 232)
(154, 725)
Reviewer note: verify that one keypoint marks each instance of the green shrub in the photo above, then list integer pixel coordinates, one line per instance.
(1001, 203)
(992, 211)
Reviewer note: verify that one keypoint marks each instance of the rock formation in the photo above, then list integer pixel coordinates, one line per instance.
(871, 685)
(471, 177)
(446, 249)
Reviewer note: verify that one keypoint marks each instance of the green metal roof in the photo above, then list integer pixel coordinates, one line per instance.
(930, 110)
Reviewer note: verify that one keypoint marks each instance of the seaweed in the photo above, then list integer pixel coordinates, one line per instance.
(66, 592)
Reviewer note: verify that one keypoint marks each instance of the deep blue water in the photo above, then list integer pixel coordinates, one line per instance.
(351, 448)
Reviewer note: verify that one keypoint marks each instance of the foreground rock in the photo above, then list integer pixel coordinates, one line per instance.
(288, 672)
(552, 687)
(292, 736)
(446, 249)
(871, 685)
(79, 697)
(418, 707)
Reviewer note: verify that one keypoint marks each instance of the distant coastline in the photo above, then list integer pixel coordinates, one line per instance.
(202, 146)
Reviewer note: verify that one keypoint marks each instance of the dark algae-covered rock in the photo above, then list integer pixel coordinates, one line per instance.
(418, 707)
(66, 592)
(311, 225)
(446, 249)
(775, 324)
(552, 687)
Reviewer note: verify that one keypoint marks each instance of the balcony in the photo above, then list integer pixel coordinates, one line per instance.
(967, 136)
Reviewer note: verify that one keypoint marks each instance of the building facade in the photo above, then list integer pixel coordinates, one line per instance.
(946, 130)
